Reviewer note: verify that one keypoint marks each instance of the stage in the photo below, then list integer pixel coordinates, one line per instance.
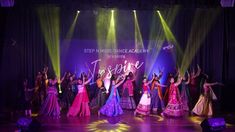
(125, 123)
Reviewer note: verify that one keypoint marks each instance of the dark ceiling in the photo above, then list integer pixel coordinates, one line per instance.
(123, 4)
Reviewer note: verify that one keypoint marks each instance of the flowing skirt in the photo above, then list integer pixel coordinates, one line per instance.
(127, 102)
(185, 99)
(80, 106)
(99, 101)
(156, 101)
(112, 108)
(143, 107)
(174, 107)
(51, 106)
(203, 106)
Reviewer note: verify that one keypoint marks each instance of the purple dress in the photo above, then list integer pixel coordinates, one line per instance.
(51, 106)
(112, 106)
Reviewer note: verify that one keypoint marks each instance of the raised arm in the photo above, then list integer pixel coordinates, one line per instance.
(119, 83)
(150, 80)
(178, 81)
(86, 82)
(188, 81)
(211, 84)
(198, 71)
(62, 79)
(158, 84)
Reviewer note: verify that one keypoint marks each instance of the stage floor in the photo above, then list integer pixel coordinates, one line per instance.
(124, 123)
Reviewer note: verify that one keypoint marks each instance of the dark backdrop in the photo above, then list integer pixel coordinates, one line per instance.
(23, 49)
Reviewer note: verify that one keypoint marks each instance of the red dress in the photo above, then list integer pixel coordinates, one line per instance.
(80, 104)
(174, 107)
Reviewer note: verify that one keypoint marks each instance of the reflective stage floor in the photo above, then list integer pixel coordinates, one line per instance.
(125, 123)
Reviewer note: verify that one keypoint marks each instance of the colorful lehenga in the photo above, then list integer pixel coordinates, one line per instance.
(174, 107)
(80, 105)
(143, 107)
(156, 97)
(112, 106)
(51, 106)
(203, 106)
(127, 100)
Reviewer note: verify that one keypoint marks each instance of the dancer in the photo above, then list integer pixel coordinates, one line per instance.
(127, 100)
(44, 84)
(203, 106)
(67, 94)
(174, 107)
(194, 85)
(112, 106)
(185, 96)
(100, 98)
(80, 104)
(156, 94)
(51, 106)
(143, 107)
(28, 98)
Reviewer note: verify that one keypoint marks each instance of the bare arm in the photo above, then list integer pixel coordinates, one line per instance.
(62, 79)
(198, 72)
(211, 84)
(118, 84)
(188, 81)
(178, 81)
(86, 82)
(158, 84)
(150, 80)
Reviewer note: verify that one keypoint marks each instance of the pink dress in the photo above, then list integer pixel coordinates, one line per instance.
(174, 107)
(80, 105)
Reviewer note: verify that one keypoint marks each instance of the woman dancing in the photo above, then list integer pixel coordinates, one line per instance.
(100, 98)
(185, 96)
(51, 106)
(127, 100)
(28, 92)
(143, 107)
(156, 94)
(203, 106)
(112, 106)
(194, 85)
(80, 104)
(174, 107)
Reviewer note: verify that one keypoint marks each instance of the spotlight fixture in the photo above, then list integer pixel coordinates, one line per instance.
(134, 11)
(78, 11)
(158, 11)
(227, 3)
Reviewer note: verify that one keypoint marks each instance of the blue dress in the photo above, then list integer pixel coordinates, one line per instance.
(112, 106)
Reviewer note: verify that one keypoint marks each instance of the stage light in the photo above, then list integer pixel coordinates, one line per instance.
(78, 11)
(138, 37)
(98, 126)
(69, 35)
(200, 27)
(111, 36)
(106, 32)
(157, 38)
(227, 3)
(49, 22)
(171, 38)
(134, 11)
